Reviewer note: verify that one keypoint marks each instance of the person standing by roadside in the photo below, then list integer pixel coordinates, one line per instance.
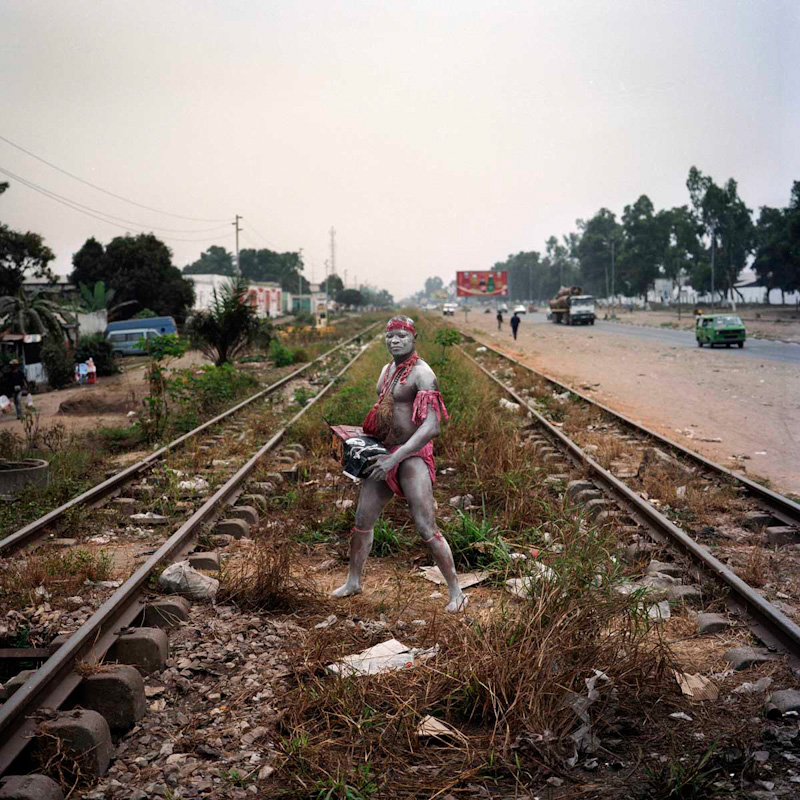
(515, 324)
(14, 384)
(499, 320)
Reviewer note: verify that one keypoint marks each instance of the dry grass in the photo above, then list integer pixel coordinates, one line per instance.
(264, 577)
(51, 576)
(756, 570)
(510, 686)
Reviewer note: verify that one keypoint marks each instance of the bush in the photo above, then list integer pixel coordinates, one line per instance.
(300, 355)
(100, 351)
(281, 355)
(58, 363)
(206, 391)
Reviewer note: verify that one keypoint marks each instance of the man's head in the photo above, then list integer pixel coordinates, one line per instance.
(14, 362)
(401, 336)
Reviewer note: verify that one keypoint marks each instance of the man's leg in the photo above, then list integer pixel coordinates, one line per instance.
(374, 496)
(415, 481)
(18, 404)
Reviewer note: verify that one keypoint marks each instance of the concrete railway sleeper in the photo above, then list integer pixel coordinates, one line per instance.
(751, 529)
(607, 499)
(130, 629)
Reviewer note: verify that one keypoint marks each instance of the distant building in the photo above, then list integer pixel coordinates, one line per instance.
(204, 288)
(266, 299)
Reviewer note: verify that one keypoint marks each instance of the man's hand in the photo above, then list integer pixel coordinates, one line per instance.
(380, 466)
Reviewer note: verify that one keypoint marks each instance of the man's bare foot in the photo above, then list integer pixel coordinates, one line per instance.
(457, 604)
(347, 590)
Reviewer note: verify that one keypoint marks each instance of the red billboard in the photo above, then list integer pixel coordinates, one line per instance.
(482, 284)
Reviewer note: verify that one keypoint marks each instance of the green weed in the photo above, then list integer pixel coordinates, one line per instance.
(388, 541)
(684, 778)
(475, 543)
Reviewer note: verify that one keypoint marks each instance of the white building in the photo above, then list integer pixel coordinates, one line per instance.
(265, 298)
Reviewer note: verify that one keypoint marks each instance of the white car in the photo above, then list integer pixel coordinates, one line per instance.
(520, 309)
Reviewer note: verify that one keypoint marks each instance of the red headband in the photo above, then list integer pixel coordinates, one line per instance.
(398, 324)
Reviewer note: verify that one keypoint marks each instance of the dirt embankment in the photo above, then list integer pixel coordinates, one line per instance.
(763, 322)
(691, 395)
(104, 404)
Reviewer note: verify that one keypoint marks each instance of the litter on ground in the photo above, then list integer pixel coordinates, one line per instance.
(430, 727)
(697, 687)
(465, 579)
(384, 657)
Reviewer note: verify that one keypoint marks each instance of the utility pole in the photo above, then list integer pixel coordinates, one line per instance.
(237, 229)
(333, 251)
(345, 278)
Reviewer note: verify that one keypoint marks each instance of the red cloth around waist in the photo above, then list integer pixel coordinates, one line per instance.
(426, 454)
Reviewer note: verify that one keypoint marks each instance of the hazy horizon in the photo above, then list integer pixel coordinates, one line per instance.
(433, 137)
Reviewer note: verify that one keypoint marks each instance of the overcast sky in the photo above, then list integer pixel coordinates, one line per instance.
(434, 136)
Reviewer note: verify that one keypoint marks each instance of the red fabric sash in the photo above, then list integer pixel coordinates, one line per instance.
(371, 422)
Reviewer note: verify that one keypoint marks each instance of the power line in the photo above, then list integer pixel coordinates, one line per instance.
(100, 189)
(82, 209)
(33, 185)
(263, 238)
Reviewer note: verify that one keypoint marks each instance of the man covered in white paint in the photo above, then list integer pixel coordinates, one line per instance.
(406, 419)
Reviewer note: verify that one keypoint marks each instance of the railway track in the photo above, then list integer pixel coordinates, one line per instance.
(614, 454)
(50, 686)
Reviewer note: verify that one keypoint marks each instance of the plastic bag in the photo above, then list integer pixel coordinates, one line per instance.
(29, 400)
(182, 578)
(5, 404)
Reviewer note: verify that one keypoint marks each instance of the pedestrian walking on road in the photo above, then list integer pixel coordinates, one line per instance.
(515, 324)
(499, 320)
(14, 385)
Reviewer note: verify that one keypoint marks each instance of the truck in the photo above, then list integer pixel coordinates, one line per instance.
(572, 307)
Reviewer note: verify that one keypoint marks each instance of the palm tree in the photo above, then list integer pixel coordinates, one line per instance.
(101, 298)
(226, 329)
(21, 313)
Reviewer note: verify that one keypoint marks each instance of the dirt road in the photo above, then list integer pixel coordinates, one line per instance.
(105, 404)
(691, 395)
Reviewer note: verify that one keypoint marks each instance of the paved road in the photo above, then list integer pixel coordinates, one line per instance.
(763, 349)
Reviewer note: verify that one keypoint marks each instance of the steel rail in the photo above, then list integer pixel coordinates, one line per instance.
(785, 508)
(56, 679)
(774, 626)
(102, 490)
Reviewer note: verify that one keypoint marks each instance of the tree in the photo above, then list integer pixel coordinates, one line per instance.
(642, 247)
(34, 313)
(683, 247)
(226, 329)
(777, 261)
(374, 297)
(139, 268)
(350, 297)
(727, 221)
(88, 263)
(594, 250)
(215, 261)
(100, 298)
(332, 285)
(20, 253)
(268, 266)
(433, 285)
(559, 267)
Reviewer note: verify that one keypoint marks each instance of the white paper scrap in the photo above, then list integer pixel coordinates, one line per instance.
(384, 657)
(465, 579)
